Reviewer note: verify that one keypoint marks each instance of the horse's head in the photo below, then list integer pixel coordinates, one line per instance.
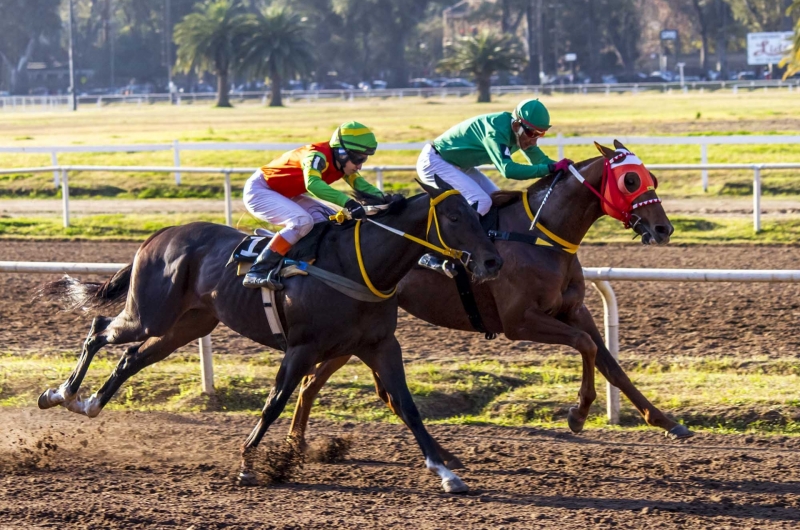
(628, 192)
(458, 226)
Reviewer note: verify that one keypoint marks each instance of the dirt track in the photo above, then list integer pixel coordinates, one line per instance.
(154, 470)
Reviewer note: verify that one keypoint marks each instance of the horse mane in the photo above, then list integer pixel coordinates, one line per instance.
(503, 198)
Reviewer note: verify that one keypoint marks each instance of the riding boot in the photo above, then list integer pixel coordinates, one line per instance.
(265, 272)
(435, 263)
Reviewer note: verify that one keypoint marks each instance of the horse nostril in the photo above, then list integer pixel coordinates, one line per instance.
(493, 265)
(664, 229)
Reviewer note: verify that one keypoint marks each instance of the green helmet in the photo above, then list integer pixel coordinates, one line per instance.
(354, 136)
(533, 114)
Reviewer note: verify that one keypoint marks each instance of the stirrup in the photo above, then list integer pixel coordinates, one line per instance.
(270, 280)
(445, 267)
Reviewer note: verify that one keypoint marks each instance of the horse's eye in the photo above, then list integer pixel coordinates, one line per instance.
(632, 181)
(453, 218)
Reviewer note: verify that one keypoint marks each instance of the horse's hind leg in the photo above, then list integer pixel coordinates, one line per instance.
(386, 361)
(309, 389)
(191, 326)
(613, 372)
(297, 362)
(104, 330)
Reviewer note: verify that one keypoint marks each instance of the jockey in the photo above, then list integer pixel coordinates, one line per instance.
(487, 139)
(283, 192)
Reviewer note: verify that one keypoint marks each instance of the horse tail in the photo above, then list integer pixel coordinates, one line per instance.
(75, 294)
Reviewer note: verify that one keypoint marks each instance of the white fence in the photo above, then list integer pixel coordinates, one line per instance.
(62, 102)
(599, 276)
(62, 176)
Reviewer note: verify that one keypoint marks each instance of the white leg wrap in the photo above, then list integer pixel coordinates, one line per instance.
(451, 483)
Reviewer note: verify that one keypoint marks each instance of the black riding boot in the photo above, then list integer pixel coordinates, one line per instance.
(435, 263)
(265, 272)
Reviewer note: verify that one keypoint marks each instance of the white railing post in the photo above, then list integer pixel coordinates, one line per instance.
(206, 365)
(379, 177)
(757, 198)
(176, 157)
(65, 196)
(560, 144)
(54, 161)
(228, 204)
(704, 160)
(611, 322)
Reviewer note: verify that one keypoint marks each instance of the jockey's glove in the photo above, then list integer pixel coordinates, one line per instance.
(356, 209)
(561, 165)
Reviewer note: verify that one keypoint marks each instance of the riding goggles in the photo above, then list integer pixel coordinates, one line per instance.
(532, 131)
(355, 157)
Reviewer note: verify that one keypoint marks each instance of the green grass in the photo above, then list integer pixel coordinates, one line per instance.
(754, 395)
(394, 120)
(688, 229)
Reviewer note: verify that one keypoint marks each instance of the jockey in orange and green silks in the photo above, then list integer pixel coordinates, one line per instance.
(286, 191)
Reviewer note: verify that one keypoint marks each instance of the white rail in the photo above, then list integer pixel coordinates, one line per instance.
(599, 276)
(63, 171)
(559, 141)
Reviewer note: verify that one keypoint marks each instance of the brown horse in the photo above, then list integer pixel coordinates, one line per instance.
(178, 289)
(539, 295)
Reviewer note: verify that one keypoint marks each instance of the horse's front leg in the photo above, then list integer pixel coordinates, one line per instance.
(298, 361)
(613, 372)
(386, 361)
(537, 326)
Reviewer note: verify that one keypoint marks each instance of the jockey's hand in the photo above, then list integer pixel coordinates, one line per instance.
(561, 165)
(356, 209)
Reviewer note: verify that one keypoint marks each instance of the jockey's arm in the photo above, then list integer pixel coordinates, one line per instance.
(313, 166)
(359, 183)
(536, 156)
(500, 155)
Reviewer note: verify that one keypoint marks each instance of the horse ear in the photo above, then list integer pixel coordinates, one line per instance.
(605, 151)
(441, 186)
(430, 190)
(619, 145)
(474, 206)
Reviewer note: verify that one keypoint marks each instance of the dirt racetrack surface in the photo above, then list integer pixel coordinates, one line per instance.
(158, 470)
(657, 319)
(155, 470)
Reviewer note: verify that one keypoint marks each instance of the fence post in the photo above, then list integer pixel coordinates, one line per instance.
(704, 160)
(176, 157)
(54, 161)
(228, 205)
(560, 144)
(379, 177)
(206, 365)
(65, 196)
(611, 321)
(757, 198)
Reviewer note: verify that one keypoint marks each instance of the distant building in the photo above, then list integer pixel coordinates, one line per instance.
(54, 78)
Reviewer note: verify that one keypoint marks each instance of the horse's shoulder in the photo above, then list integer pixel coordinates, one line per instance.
(503, 198)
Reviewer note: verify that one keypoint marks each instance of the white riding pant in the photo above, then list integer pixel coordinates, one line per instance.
(296, 215)
(473, 185)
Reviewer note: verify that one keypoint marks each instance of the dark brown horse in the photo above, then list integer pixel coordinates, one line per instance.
(178, 289)
(539, 295)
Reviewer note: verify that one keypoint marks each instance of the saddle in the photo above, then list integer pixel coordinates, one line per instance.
(246, 252)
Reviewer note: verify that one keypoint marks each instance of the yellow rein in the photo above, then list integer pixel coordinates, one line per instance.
(432, 218)
(571, 248)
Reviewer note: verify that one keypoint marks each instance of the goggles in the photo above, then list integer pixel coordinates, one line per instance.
(531, 131)
(356, 158)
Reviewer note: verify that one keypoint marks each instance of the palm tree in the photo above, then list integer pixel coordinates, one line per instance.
(209, 40)
(792, 59)
(483, 55)
(276, 47)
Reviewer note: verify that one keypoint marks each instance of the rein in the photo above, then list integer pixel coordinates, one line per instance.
(462, 256)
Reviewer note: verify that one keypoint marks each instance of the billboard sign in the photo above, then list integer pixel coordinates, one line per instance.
(669, 34)
(769, 47)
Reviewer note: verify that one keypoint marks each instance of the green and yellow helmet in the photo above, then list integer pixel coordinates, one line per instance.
(355, 137)
(533, 115)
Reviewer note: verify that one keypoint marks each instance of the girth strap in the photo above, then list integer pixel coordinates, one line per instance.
(468, 301)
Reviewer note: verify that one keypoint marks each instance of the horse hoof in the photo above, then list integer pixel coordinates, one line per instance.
(454, 485)
(574, 422)
(247, 478)
(454, 463)
(45, 401)
(679, 432)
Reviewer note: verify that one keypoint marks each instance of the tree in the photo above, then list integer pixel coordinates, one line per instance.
(210, 40)
(25, 24)
(792, 61)
(276, 47)
(483, 55)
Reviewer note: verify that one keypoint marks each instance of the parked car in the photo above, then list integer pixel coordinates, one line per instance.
(421, 82)
(746, 76)
(457, 82)
(39, 91)
(375, 84)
